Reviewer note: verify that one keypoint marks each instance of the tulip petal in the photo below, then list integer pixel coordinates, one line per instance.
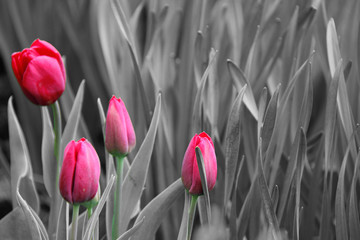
(42, 82)
(67, 172)
(87, 172)
(45, 48)
(188, 162)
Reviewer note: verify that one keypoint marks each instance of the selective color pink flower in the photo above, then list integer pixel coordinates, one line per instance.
(190, 172)
(80, 172)
(40, 72)
(120, 136)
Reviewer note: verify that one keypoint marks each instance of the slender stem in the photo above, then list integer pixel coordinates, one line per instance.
(117, 198)
(192, 209)
(74, 223)
(57, 142)
(56, 199)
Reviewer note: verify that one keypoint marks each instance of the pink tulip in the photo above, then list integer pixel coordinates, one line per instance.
(190, 172)
(40, 72)
(80, 172)
(120, 136)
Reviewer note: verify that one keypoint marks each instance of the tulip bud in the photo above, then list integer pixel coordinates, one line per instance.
(190, 172)
(120, 136)
(40, 72)
(80, 172)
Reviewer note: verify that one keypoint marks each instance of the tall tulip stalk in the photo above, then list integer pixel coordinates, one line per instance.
(190, 174)
(120, 139)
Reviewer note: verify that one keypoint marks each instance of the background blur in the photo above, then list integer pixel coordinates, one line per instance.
(172, 42)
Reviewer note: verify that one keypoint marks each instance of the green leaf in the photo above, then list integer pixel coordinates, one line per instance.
(134, 181)
(33, 219)
(21, 172)
(155, 211)
(73, 120)
(239, 81)
(232, 143)
(47, 153)
(202, 172)
(95, 216)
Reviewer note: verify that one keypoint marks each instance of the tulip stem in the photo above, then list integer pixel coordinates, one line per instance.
(57, 131)
(192, 209)
(74, 223)
(117, 198)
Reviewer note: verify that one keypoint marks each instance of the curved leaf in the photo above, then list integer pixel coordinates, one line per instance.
(155, 211)
(239, 81)
(134, 181)
(73, 120)
(95, 216)
(47, 153)
(21, 172)
(32, 219)
(232, 143)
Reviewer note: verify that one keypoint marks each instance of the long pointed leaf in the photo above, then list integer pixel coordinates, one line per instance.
(155, 211)
(135, 179)
(21, 172)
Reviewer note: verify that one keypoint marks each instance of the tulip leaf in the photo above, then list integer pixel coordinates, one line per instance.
(343, 105)
(62, 228)
(47, 153)
(232, 143)
(154, 212)
(21, 172)
(73, 120)
(95, 216)
(266, 198)
(33, 219)
(126, 235)
(204, 185)
(15, 220)
(340, 199)
(354, 223)
(239, 81)
(134, 181)
(124, 28)
(183, 226)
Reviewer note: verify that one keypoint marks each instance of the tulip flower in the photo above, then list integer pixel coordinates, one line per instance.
(120, 136)
(80, 172)
(190, 172)
(40, 72)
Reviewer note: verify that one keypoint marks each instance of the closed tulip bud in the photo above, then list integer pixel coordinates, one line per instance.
(80, 172)
(120, 136)
(40, 72)
(190, 172)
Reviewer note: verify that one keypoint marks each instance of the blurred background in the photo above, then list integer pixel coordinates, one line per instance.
(166, 46)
